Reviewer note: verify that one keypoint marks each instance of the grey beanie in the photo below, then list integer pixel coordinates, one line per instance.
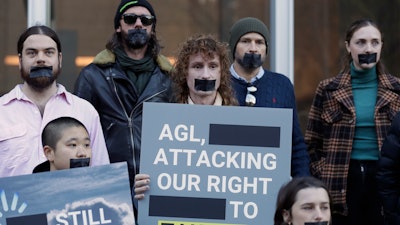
(244, 26)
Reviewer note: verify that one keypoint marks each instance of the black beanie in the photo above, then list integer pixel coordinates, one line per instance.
(126, 4)
(244, 26)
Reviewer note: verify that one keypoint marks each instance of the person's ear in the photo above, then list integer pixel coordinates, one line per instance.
(19, 61)
(347, 44)
(49, 153)
(60, 59)
(286, 216)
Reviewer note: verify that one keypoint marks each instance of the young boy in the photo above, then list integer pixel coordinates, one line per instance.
(66, 144)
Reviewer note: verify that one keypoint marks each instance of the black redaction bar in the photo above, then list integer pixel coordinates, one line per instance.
(241, 135)
(187, 207)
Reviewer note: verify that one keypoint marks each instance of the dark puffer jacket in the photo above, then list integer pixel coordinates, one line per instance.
(104, 84)
(388, 175)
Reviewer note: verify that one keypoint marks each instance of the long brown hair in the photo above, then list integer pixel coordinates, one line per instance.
(40, 29)
(288, 192)
(209, 47)
(355, 26)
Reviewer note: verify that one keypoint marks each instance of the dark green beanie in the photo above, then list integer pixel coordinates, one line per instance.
(244, 26)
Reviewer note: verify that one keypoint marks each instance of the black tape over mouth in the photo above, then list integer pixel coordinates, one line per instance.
(204, 85)
(41, 71)
(80, 162)
(317, 223)
(367, 58)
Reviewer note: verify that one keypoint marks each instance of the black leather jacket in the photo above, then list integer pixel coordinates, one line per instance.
(105, 85)
(388, 174)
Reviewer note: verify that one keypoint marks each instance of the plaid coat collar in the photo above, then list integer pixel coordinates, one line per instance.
(330, 161)
(340, 86)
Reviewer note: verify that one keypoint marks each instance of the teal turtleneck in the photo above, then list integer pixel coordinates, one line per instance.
(365, 88)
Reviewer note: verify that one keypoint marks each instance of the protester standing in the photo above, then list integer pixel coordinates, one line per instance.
(348, 121)
(259, 87)
(129, 72)
(27, 108)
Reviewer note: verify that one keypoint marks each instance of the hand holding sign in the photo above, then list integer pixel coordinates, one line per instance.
(217, 165)
(142, 185)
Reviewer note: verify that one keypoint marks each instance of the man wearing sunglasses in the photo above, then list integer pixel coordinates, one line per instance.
(258, 87)
(129, 72)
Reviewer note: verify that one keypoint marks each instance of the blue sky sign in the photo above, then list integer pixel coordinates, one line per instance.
(81, 196)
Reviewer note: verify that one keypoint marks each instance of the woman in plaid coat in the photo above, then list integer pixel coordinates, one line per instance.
(348, 121)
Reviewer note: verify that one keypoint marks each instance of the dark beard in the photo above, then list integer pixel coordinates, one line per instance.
(137, 38)
(250, 61)
(39, 83)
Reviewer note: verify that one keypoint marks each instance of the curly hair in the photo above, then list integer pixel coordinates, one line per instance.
(209, 47)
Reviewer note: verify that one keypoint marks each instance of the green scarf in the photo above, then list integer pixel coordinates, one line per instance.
(138, 71)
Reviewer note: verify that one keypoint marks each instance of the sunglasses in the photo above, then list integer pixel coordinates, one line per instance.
(250, 98)
(131, 19)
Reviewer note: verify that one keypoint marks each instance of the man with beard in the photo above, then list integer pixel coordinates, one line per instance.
(258, 87)
(129, 72)
(27, 108)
